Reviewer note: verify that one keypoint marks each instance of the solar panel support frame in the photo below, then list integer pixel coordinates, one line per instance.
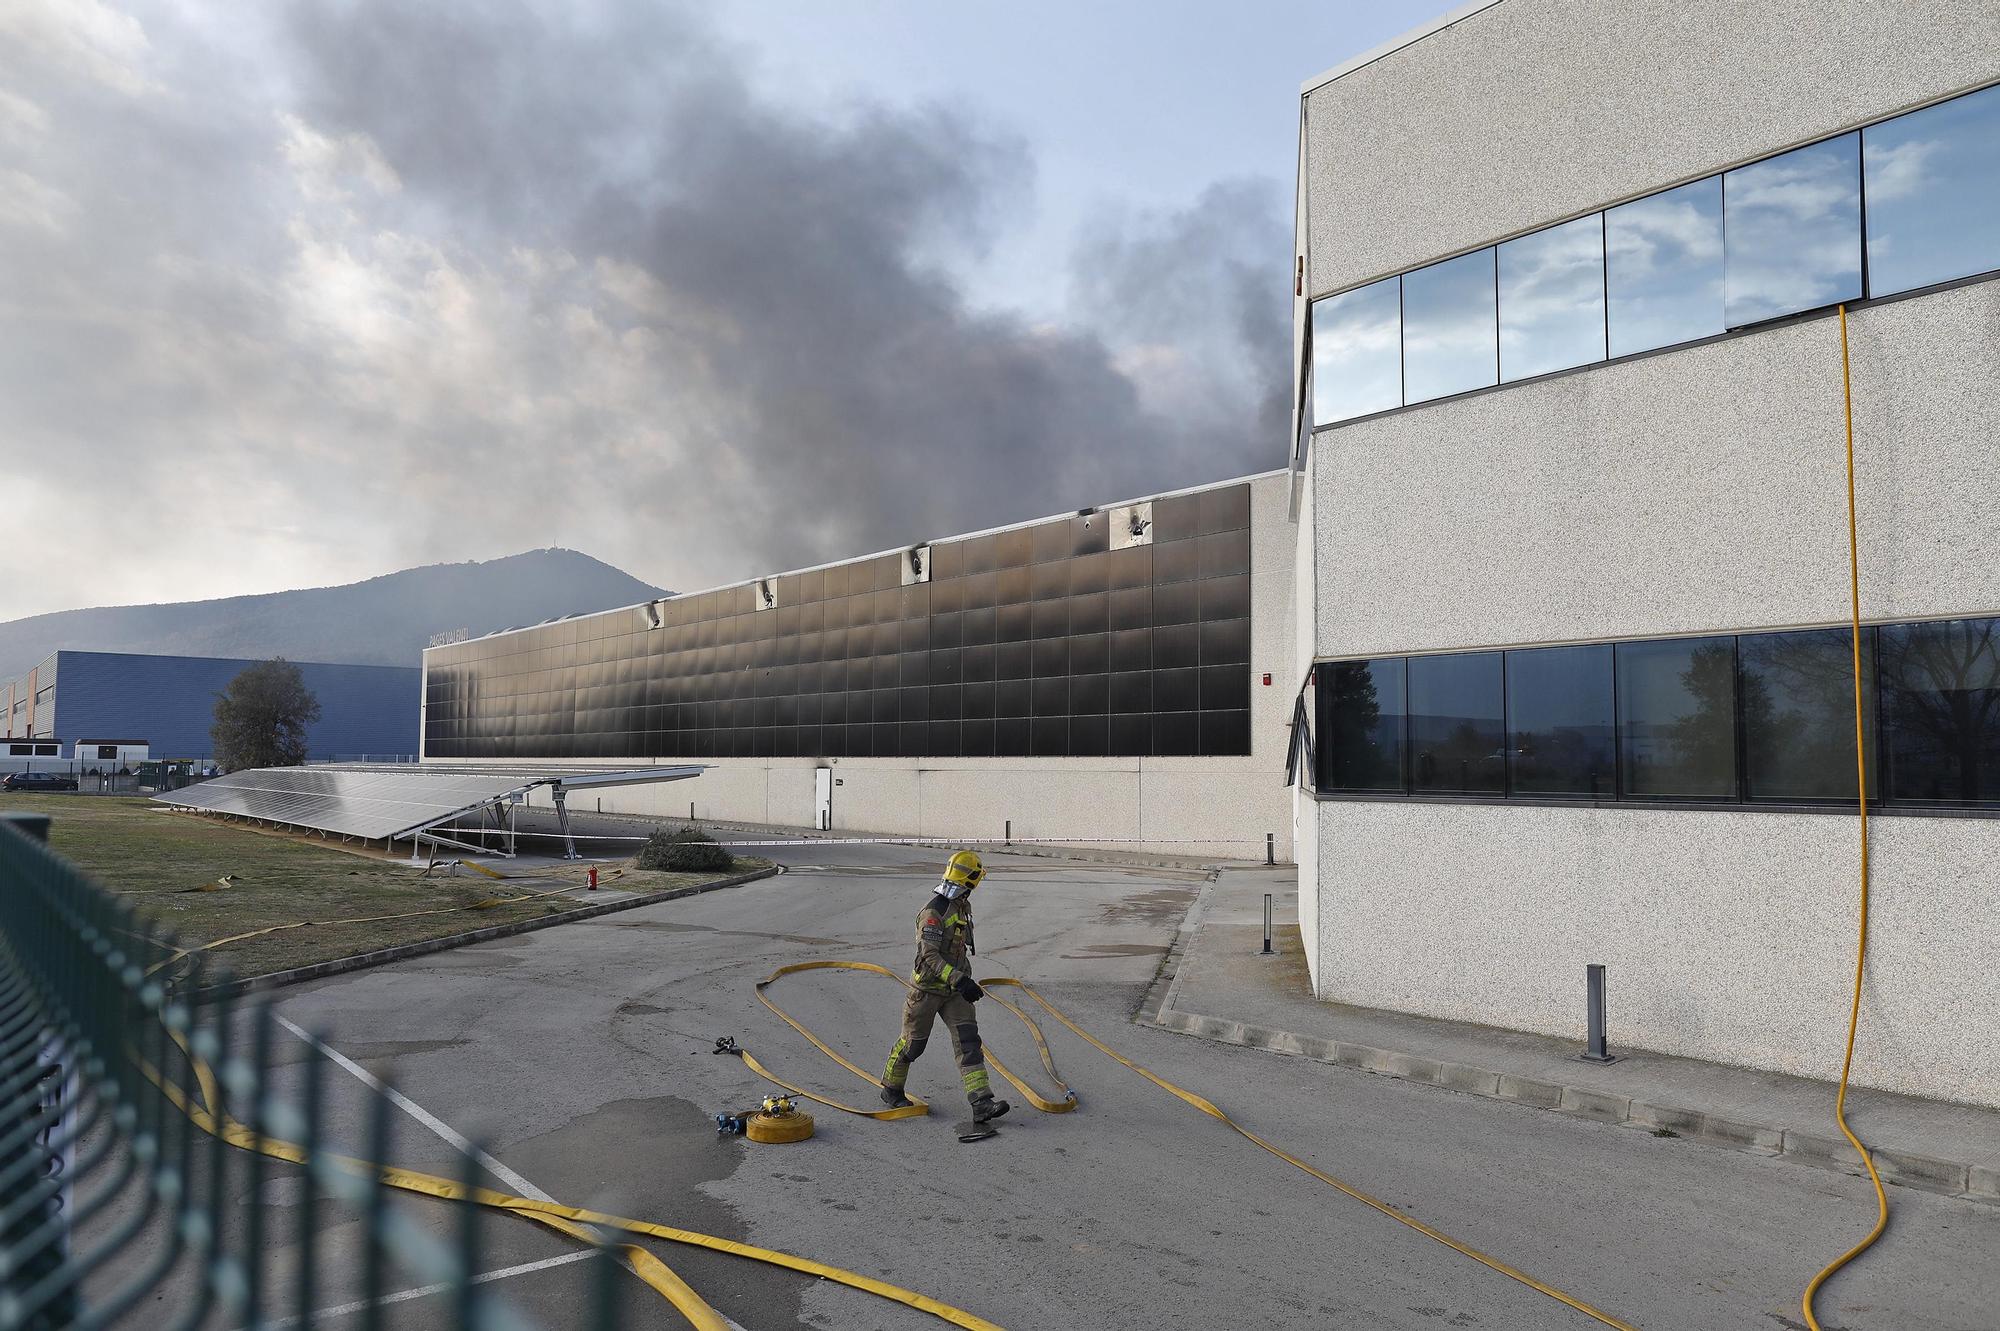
(307, 811)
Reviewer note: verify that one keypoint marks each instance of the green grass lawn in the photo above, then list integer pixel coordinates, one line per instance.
(159, 859)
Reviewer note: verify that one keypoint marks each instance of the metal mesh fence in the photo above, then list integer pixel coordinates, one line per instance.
(143, 1140)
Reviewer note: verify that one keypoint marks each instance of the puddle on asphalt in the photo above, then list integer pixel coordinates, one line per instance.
(1106, 951)
(1163, 905)
(650, 1158)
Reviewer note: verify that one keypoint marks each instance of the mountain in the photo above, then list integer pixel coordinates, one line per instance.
(383, 621)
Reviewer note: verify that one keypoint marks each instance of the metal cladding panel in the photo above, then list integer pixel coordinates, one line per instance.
(1049, 640)
(374, 803)
(169, 701)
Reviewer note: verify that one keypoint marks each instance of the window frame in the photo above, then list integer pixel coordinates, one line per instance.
(1741, 798)
(1867, 297)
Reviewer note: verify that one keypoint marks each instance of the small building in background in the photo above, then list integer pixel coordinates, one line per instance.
(109, 755)
(168, 703)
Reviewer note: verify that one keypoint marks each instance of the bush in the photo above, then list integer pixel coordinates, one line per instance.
(689, 850)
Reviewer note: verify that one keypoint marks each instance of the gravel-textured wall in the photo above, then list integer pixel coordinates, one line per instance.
(1701, 488)
(1729, 936)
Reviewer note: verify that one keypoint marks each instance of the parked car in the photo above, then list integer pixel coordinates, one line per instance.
(37, 781)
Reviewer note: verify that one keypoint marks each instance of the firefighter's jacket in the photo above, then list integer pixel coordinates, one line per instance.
(944, 939)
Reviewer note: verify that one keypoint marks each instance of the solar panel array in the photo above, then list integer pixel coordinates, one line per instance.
(377, 802)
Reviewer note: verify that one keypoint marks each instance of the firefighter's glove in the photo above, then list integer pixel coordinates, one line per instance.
(968, 989)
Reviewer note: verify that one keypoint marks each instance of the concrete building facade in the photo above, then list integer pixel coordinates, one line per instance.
(1113, 675)
(1571, 505)
(168, 704)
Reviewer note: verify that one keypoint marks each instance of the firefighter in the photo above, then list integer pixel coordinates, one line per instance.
(943, 986)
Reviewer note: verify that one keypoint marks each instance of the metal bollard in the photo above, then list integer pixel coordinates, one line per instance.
(1267, 924)
(1594, 1046)
(1010, 831)
(1270, 847)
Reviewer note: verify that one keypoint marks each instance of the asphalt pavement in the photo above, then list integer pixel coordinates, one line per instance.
(580, 1058)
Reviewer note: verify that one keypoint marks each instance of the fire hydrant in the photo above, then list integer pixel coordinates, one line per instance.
(593, 878)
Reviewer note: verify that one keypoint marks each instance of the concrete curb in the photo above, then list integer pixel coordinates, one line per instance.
(1953, 1178)
(403, 951)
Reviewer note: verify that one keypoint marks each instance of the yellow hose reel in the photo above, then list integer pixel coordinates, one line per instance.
(778, 1121)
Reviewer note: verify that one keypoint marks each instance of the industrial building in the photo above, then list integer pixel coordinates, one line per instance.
(167, 704)
(1110, 675)
(1572, 518)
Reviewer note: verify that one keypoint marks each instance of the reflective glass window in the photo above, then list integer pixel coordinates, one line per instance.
(1552, 299)
(1791, 230)
(1357, 352)
(1560, 722)
(1457, 741)
(1448, 327)
(1361, 712)
(1798, 713)
(1663, 268)
(1677, 717)
(1933, 187)
(1941, 711)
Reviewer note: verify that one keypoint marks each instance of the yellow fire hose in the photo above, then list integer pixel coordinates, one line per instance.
(576, 1222)
(1861, 789)
(1189, 1097)
(568, 1220)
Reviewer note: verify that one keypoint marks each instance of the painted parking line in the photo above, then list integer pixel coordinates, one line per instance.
(416, 1111)
(425, 1291)
(457, 1139)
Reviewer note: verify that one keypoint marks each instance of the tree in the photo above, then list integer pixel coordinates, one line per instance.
(261, 720)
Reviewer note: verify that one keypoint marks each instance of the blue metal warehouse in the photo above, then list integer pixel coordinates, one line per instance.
(168, 702)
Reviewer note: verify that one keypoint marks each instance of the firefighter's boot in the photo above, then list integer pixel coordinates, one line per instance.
(893, 1097)
(985, 1108)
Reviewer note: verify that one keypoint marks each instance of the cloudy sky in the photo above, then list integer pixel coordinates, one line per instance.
(300, 293)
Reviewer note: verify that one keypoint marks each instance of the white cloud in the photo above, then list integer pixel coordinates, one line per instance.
(28, 202)
(326, 166)
(20, 119)
(83, 37)
(1899, 171)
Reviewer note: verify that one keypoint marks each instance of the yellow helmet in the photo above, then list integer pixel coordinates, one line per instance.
(961, 874)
